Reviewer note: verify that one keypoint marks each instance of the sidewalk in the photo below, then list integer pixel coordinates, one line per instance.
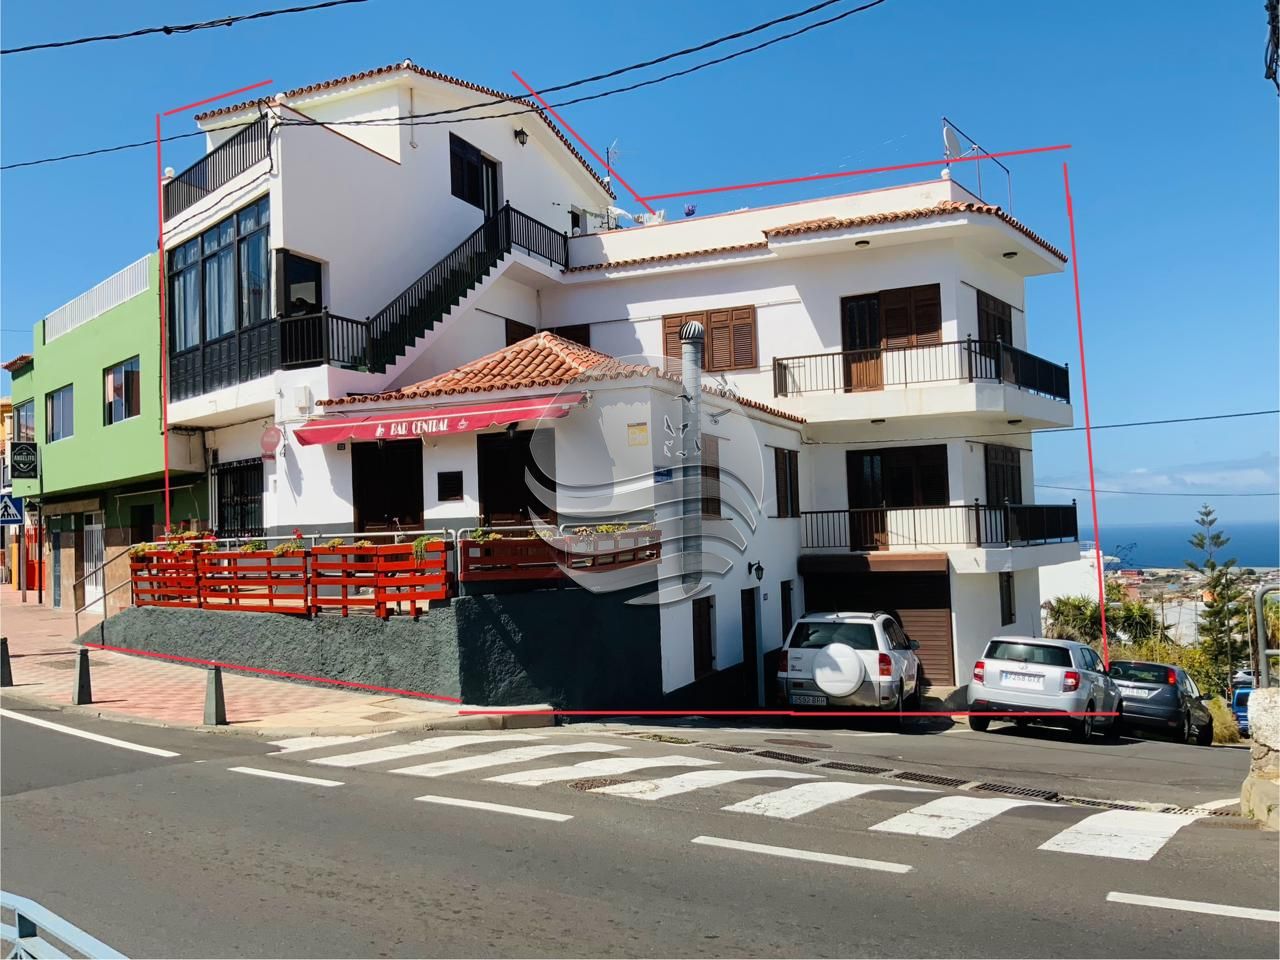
(43, 654)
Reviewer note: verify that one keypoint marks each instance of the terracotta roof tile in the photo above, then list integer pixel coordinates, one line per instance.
(21, 360)
(543, 360)
(942, 209)
(422, 72)
(664, 257)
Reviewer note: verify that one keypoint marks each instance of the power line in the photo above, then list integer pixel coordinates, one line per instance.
(423, 118)
(180, 28)
(1157, 493)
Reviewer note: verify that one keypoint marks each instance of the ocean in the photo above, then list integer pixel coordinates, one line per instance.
(1165, 544)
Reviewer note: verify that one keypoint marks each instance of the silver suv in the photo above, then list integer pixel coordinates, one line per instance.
(849, 660)
(1058, 683)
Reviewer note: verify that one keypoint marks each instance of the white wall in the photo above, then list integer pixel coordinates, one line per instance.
(975, 614)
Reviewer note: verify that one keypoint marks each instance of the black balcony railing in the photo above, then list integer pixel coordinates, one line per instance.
(959, 361)
(317, 338)
(959, 525)
(218, 167)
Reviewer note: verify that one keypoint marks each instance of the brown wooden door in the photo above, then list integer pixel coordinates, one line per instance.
(868, 518)
(863, 358)
(386, 485)
(750, 646)
(508, 472)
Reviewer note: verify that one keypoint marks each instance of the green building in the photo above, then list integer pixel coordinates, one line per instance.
(89, 395)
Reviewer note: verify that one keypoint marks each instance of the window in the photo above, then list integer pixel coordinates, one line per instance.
(703, 636)
(995, 319)
(1004, 474)
(898, 477)
(142, 523)
(786, 472)
(1041, 653)
(238, 496)
(1007, 612)
(730, 338)
(448, 485)
(897, 639)
(466, 178)
(710, 476)
(299, 282)
(220, 281)
(59, 415)
(517, 331)
(810, 636)
(24, 420)
(911, 316)
(121, 392)
(576, 332)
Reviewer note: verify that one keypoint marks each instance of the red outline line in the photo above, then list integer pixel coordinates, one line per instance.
(559, 119)
(516, 712)
(846, 173)
(229, 93)
(1088, 432)
(164, 350)
(273, 673)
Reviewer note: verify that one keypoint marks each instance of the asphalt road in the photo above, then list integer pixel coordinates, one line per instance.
(185, 856)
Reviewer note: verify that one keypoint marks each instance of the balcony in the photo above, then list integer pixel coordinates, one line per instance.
(939, 528)
(217, 168)
(960, 361)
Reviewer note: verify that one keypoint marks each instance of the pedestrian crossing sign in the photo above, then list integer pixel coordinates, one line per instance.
(10, 511)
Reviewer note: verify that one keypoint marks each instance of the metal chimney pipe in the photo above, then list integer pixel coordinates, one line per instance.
(692, 338)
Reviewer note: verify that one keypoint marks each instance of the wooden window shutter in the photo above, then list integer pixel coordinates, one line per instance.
(671, 342)
(793, 458)
(926, 314)
(782, 478)
(710, 476)
(743, 326)
(895, 318)
(719, 349)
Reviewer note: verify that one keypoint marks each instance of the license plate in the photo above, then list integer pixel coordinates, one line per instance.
(1023, 681)
(805, 700)
(1136, 692)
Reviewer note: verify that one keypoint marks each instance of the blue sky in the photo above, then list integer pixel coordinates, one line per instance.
(1173, 166)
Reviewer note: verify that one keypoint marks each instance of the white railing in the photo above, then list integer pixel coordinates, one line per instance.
(128, 283)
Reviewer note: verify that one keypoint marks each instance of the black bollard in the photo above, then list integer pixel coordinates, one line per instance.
(215, 706)
(84, 689)
(6, 672)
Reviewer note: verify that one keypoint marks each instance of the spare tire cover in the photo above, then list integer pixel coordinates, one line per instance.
(838, 670)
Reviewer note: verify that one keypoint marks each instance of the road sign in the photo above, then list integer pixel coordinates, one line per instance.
(24, 460)
(10, 511)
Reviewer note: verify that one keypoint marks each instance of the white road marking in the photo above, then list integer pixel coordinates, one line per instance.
(1195, 906)
(418, 748)
(598, 768)
(496, 808)
(85, 734)
(793, 854)
(949, 816)
(515, 755)
(295, 744)
(1217, 804)
(314, 781)
(1122, 834)
(685, 782)
(806, 797)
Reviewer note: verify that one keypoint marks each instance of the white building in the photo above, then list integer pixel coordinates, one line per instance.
(329, 261)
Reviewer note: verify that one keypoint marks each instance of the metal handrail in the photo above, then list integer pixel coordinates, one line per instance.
(30, 919)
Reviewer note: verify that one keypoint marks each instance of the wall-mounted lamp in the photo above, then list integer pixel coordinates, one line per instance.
(881, 420)
(1009, 254)
(862, 243)
(1014, 423)
(521, 137)
(756, 568)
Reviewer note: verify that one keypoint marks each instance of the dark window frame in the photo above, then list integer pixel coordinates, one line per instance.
(517, 331)
(1008, 602)
(885, 470)
(239, 505)
(703, 612)
(995, 319)
(712, 504)
(1002, 470)
(130, 391)
(67, 406)
(24, 420)
(445, 494)
(579, 333)
(466, 171)
(786, 475)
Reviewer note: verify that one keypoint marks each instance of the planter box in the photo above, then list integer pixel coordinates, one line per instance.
(508, 559)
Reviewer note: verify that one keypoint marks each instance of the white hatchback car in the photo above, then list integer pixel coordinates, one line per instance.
(849, 660)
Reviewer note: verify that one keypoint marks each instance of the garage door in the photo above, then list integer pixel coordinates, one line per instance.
(920, 601)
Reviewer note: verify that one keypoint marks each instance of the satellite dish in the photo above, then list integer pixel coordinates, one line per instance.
(951, 143)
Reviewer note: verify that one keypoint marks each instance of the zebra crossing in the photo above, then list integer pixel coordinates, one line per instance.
(791, 794)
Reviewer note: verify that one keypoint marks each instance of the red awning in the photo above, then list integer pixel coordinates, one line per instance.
(436, 421)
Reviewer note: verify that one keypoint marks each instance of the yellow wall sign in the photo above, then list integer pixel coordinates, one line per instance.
(637, 434)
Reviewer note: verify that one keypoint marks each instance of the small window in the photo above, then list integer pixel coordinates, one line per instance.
(577, 333)
(24, 420)
(517, 331)
(710, 476)
(449, 485)
(122, 391)
(703, 636)
(466, 180)
(786, 470)
(59, 414)
(1007, 611)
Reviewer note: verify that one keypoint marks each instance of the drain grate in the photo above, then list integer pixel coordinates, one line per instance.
(854, 767)
(726, 748)
(809, 744)
(785, 757)
(595, 783)
(1104, 804)
(1018, 791)
(1196, 811)
(929, 778)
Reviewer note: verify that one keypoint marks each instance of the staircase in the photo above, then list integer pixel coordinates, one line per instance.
(428, 300)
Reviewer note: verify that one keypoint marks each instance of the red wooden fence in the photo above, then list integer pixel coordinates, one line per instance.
(534, 558)
(258, 582)
(164, 579)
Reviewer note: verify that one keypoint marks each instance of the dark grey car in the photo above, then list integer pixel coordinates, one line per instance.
(1161, 697)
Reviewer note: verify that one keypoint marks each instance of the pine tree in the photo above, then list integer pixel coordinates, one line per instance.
(1221, 588)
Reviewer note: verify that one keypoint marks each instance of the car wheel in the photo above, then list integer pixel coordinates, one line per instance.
(913, 702)
(1083, 729)
(895, 709)
(1185, 736)
(1112, 733)
(1021, 723)
(1204, 736)
(979, 724)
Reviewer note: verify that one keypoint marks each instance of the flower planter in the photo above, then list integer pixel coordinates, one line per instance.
(530, 558)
